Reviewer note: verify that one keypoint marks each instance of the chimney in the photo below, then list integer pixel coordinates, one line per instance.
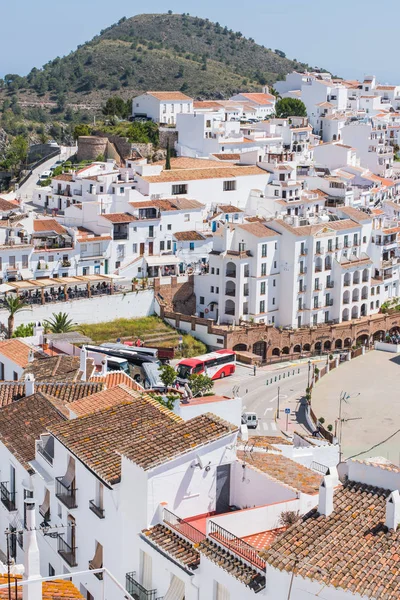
(104, 367)
(38, 331)
(29, 384)
(392, 521)
(31, 356)
(33, 591)
(82, 363)
(325, 502)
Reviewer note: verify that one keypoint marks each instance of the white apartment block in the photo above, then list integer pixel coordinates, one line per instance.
(162, 107)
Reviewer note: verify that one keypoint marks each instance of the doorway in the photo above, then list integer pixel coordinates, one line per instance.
(223, 489)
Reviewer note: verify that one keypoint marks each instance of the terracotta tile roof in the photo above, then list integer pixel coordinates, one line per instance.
(58, 368)
(283, 469)
(305, 230)
(386, 87)
(102, 400)
(6, 205)
(185, 162)
(228, 208)
(22, 423)
(379, 461)
(114, 378)
(186, 236)
(206, 104)
(354, 214)
(16, 351)
(233, 565)
(258, 229)
(10, 391)
(264, 539)
(223, 156)
(44, 225)
(57, 589)
(143, 431)
(63, 177)
(169, 95)
(87, 236)
(351, 549)
(119, 217)
(263, 99)
(264, 441)
(225, 171)
(173, 545)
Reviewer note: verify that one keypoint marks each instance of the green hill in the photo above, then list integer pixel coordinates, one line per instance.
(163, 52)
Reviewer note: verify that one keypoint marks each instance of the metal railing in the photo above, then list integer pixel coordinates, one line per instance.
(67, 552)
(45, 514)
(183, 527)
(236, 545)
(98, 575)
(135, 589)
(66, 494)
(231, 274)
(120, 236)
(7, 497)
(98, 511)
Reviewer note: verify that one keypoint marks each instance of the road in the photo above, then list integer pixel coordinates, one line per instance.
(262, 399)
(26, 190)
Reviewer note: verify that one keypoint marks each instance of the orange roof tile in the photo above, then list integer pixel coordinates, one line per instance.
(119, 217)
(40, 225)
(169, 95)
(56, 589)
(259, 98)
(228, 172)
(101, 400)
(16, 351)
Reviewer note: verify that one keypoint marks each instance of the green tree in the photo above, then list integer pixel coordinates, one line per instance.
(167, 375)
(60, 323)
(23, 330)
(168, 158)
(116, 107)
(290, 107)
(14, 304)
(200, 384)
(81, 129)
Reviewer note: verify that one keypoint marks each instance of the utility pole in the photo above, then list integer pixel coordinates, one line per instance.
(309, 369)
(278, 409)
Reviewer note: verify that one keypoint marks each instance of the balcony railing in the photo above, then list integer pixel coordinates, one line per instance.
(99, 512)
(135, 589)
(7, 497)
(183, 527)
(45, 514)
(329, 302)
(230, 274)
(330, 284)
(230, 311)
(303, 251)
(230, 293)
(120, 235)
(98, 575)
(318, 269)
(66, 494)
(67, 552)
(236, 545)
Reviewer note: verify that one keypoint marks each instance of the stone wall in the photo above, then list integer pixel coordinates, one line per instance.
(168, 134)
(90, 147)
(178, 297)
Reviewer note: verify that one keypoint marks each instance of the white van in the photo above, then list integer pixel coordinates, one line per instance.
(250, 419)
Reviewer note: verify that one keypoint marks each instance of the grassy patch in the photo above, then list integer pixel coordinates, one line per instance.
(144, 327)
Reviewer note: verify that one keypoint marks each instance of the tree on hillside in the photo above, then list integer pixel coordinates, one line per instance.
(80, 130)
(168, 158)
(14, 305)
(116, 107)
(290, 107)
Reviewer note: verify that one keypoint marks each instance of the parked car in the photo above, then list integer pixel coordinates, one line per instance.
(250, 419)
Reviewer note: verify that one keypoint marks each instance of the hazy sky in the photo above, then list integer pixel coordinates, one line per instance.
(350, 38)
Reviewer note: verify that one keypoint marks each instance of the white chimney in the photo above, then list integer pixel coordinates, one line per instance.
(325, 502)
(82, 363)
(104, 367)
(333, 472)
(393, 511)
(29, 384)
(31, 356)
(38, 332)
(33, 591)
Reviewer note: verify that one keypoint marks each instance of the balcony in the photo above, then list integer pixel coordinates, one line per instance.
(303, 289)
(303, 271)
(66, 494)
(99, 512)
(338, 246)
(346, 300)
(7, 497)
(330, 284)
(317, 287)
(183, 527)
(135, 589)
(240, 547)
(98, 575)
(318, 269)
(231, 274)
(246, 273)
(303, 251)
(45, 514)
(347, 283)
(120, 235)
(328, 267)
(329, 302)
(230, 293)
(319, 251)
(67, 552)
(230, 311)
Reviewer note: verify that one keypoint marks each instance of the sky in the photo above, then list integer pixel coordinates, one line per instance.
(349, 38)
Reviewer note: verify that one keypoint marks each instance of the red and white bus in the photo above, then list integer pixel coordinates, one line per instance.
(215, 365)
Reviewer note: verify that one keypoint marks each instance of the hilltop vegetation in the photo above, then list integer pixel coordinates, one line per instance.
(165, 52)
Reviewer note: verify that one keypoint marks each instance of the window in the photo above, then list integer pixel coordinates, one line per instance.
(299, 321)
(318, 248)
(168, 244)
(263, 269)
(180, 188)
(276, 245)
(208, 123)
(272, 320)
(262, 306)
(315, 320)
(263, 250)
(162, 246)
(364, 239)
(15, 376)
(1, 371)
(217, 271)
(25, 261)
(327, 316)
(281, 177)
(229, 186)
(51, 258)
(134, 229)
(377, 304)
(121, 190)
(186, 218)
(273, 301)
(274, 282)
(169, 227)
(52, 571)
(101, 189)
(201, 299)
(212, 289)
(212, 271)
(217, 290)
(275, 264)
(262, 288)
(378, 289)
(134, 248)
(330, 245)
(191, 246)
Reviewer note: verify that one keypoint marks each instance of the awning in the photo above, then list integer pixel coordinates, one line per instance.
(176, 590)
(26, 273)
(164, 260)
(4, 287)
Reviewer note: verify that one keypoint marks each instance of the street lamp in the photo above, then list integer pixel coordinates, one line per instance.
(309, 369)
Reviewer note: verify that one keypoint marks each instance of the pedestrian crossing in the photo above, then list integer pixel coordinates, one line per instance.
(268, 426)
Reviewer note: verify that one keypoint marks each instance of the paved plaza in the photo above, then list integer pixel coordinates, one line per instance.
(376, 410)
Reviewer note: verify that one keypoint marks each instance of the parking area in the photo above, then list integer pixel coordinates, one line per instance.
(372, 413)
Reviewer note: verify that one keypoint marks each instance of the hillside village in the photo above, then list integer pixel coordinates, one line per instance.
(269, 236)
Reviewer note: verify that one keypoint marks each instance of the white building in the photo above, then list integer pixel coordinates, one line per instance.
(162, 107)
(264, 103)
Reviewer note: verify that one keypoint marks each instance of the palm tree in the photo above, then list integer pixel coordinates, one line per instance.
(14, 304)
(60, 323)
